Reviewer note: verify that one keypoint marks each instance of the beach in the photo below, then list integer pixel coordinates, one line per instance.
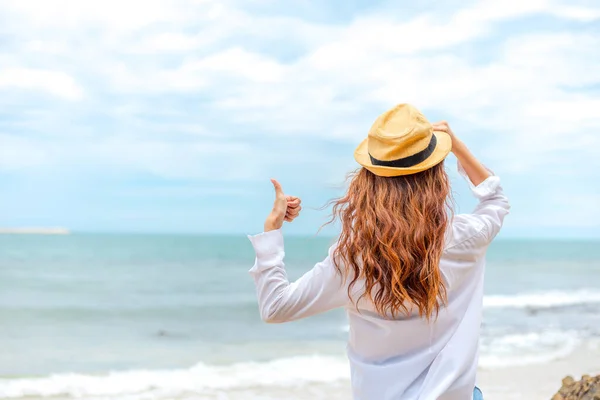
(174, 317)
(539, 381)
(306, 378)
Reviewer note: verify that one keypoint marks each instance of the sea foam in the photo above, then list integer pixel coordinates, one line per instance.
(285, 372)
(292, 372)
(547, 299)
(527, 348)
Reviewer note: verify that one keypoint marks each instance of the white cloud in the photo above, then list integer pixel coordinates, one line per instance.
(116, 15)
(375, 60)
(238, 62)
(53, 82)
(584, 14)
(16, 153)
(205, 70)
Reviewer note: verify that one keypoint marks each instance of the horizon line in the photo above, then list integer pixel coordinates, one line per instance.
(68, 232)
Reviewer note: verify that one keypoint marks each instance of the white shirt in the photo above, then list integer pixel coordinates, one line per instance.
(408, 358)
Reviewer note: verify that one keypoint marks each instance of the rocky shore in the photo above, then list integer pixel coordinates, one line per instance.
(588, 388)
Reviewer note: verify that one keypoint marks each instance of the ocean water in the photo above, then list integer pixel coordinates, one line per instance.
(174, 317)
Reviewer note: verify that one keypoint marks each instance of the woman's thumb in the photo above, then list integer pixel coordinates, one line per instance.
(277, 186)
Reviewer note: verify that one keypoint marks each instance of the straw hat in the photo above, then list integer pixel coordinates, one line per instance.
(402, 142)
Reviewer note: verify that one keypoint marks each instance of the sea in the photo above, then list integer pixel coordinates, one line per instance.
(107, 316)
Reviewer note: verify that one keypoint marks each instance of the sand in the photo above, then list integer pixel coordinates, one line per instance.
(541, 381)
(528, 382)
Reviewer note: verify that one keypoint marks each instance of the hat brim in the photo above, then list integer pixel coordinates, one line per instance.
(442, 149)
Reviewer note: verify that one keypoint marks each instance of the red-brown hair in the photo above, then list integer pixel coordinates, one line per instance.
(392, 238)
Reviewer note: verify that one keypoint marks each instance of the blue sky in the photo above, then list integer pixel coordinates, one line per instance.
(156, 116)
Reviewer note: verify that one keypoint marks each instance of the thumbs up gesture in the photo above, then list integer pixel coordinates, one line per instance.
(285, 208)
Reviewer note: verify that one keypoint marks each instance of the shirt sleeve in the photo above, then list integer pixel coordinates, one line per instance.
(493, 205)
(320, 289)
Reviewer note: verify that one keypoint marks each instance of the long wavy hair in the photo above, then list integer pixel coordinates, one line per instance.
(392, 238)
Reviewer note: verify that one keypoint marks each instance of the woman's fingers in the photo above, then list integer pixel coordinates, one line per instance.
(275, 218)
(293, 202)
(441, 127)
(292, 213)
(444, 127)
(280, 204)
(277, 187)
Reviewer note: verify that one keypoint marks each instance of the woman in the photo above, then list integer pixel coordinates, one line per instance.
(408, 272)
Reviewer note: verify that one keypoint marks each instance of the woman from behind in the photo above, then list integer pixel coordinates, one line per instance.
(406, 269)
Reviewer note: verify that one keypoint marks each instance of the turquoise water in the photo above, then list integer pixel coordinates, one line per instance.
(90, 304)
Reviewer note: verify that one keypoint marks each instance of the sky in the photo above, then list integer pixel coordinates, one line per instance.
(171, 116)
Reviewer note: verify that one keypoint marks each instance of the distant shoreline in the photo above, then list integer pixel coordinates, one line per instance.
(34, 231)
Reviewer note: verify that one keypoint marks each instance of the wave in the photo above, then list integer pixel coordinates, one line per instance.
(527, 348)
(285, 372)
(548, 299)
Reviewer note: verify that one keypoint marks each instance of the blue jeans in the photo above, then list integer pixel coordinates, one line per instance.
(477, 395)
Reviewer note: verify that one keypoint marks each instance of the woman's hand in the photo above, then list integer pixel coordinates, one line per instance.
(444, 127)
(475, 170)
(285, 208)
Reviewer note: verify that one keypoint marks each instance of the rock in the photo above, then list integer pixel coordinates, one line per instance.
(568, 381)
(588, 388)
